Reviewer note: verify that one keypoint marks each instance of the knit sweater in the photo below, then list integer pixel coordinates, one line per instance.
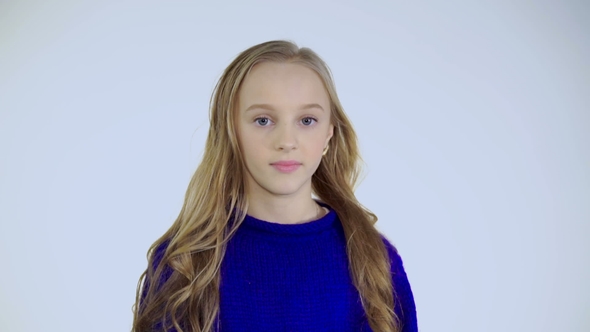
(294, 277)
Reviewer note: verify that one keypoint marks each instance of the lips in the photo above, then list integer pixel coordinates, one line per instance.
(286, 166)
(286, 163)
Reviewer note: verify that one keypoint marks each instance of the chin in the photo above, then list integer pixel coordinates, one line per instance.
(284, 189)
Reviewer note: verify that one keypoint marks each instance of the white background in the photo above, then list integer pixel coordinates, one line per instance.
(473, 119)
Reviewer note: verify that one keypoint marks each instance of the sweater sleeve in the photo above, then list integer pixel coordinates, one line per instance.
(405, 307)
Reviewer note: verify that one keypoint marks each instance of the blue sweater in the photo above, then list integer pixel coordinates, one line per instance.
(278, 277)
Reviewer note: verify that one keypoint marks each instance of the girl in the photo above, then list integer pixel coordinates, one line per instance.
(271, 236)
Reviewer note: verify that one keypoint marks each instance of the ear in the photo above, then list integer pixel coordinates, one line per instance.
(330, 134)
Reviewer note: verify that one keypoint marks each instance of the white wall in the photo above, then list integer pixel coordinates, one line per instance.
(474, 121)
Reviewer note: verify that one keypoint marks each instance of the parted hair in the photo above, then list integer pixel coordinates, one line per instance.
(182, 289)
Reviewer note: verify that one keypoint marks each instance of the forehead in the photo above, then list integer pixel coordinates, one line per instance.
(283, 85)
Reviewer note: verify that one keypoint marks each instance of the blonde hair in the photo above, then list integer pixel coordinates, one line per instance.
(215, 205)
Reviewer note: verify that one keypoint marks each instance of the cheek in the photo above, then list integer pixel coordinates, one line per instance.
(318, 142)
(318, 147)
(253, 150)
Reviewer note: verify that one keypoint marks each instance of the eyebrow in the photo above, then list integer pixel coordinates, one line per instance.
(270, 108)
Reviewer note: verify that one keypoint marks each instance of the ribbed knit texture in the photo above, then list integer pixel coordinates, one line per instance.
(278, 277)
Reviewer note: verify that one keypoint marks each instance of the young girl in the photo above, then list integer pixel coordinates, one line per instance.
(271, 236)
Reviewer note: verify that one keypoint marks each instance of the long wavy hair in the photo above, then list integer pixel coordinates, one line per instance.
(215, 205)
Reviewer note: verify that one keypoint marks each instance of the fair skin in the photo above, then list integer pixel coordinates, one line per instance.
(284, 129)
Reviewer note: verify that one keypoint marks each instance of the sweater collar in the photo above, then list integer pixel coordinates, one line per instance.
(310, 227)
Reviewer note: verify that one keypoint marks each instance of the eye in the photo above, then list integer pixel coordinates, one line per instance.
(262, 121)
(308, 121)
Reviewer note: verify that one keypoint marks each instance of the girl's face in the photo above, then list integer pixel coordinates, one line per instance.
(283, 115)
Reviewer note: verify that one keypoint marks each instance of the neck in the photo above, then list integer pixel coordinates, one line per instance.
(285, 210)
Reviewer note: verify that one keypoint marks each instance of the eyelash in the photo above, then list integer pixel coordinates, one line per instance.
(264, 117)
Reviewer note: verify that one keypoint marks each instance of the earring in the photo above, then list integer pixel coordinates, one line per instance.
(325, 150)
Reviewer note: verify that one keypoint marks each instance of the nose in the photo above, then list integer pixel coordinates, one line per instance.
(285, 138)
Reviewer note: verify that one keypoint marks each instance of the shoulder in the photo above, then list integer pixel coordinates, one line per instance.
(158, 253)
(397, 264)
(394, 255)
(155, 261)
(161, 249)
(405, 306)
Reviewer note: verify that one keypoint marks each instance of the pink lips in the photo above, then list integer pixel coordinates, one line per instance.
(286, 166)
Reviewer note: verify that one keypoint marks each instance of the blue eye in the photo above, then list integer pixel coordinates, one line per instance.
(309, 121)
(263, 121)
(258, 120)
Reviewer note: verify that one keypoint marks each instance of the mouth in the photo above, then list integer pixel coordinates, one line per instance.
(286, 166)
(286, 163)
